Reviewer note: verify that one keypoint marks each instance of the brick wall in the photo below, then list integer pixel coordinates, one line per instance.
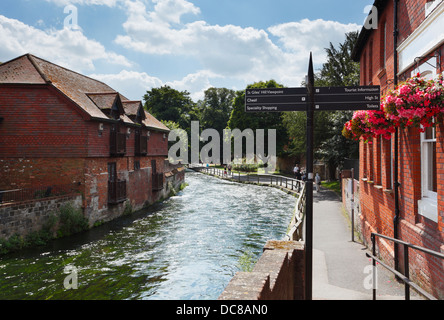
(278, 275)
(376, 190)
(19, 173)
(378, 208)
(157, 144)
(37, 122)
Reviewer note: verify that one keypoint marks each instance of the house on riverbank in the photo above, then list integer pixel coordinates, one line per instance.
(408, 39)
(62, 132)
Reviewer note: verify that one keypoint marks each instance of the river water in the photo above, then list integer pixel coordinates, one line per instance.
(185, 248)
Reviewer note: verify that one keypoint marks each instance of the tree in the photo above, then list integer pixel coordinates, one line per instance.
(216, 108)
(339, 70)
(239, 119)
(168, 104)
(329, 144)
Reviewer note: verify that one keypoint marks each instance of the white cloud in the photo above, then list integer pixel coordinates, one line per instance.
(230, 51)
(311, 35)
(195, 83)
(108, 3)
(67, 47)
(172, 10)
(131, 84)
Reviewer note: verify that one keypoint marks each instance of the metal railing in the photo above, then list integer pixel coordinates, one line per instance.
(404, 277)
(39, 192)
(295, 232)
(288, 183)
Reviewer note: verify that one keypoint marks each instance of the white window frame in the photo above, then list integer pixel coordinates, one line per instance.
(428, 205)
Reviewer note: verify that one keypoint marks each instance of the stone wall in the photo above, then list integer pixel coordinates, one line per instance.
(28, 216)
(278, 275)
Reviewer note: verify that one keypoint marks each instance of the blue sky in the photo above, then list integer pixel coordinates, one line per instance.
(134, 45)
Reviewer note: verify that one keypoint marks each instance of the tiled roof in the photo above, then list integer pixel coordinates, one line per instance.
(91, 95)
(20, 70)
(152, 122)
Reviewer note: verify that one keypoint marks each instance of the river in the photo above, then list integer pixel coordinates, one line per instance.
(186, 248)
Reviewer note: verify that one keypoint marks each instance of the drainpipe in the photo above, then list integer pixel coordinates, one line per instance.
(396, 182)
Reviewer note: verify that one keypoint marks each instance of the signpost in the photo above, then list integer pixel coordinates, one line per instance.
(326, 98)
(311, 99)
(276, 99)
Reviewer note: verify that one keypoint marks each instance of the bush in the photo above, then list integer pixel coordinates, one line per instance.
(71, 220)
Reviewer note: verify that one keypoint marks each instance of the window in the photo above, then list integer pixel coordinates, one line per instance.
(370, 62)
(383, 45)
(371, 164)
(364, 67)
(380, 160)
(391, 163)
(427, 206)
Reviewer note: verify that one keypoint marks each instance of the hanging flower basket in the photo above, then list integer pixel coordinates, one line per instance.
(357, 127)
(413, 103)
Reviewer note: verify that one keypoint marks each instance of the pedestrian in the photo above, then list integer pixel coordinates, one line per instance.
(298, 175)
(295, 170)
(318, 182)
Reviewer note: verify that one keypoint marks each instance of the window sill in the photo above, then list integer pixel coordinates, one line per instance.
(381, 72)
(377, 186)
(388, 190)
(428, 208)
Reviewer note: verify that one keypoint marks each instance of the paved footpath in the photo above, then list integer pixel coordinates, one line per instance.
(340, 267)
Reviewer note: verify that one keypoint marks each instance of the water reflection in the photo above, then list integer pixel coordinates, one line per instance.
(185, 248)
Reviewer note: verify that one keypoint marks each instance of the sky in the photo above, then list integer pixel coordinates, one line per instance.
(136, 45)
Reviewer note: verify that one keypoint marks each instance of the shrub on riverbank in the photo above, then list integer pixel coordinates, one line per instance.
(66, 221)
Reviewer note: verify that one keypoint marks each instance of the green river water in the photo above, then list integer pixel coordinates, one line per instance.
(185, 248)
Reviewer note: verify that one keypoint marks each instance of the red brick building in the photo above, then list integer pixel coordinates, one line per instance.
(408, 39)
(58, 127)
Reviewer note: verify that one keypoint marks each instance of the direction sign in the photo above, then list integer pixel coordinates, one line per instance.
(347, 98)
(276, 99)
(326, 98)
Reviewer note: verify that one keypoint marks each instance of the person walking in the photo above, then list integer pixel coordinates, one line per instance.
(318, 182)
(295, 170)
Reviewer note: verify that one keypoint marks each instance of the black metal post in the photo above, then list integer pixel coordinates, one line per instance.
(373, 238)
(309, 186)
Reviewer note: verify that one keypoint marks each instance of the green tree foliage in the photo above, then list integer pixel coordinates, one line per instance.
(168, 104)
(329, 144)
(216, 108)
(259, 120)
(339, 70)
